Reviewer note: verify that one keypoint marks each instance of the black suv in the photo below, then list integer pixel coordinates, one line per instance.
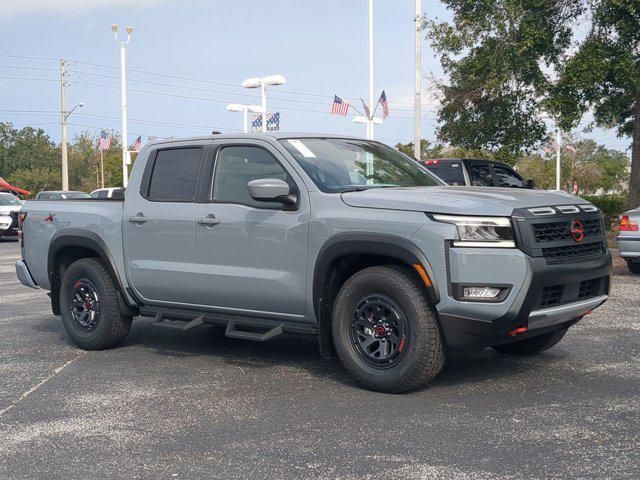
(479, 173)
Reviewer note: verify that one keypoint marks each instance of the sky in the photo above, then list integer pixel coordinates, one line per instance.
(187, 59)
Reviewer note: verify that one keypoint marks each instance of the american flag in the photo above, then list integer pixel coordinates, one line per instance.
(273, 122)
(340, 106)
(385, 105)
(105, 141)
(137, 145)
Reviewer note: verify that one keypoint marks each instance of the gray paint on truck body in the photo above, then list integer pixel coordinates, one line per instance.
(262, 263)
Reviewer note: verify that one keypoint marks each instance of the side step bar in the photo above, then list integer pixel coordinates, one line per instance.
(244, 328)
(196, 322)
(233, 332)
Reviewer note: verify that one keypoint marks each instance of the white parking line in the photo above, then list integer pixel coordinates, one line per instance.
(37, 386)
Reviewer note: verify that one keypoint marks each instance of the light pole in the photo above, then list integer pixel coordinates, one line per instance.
(241, 107)
(123, 96)
(417, 81)
(261, 83)
(371, 106)
(65, 158)
(558, 155)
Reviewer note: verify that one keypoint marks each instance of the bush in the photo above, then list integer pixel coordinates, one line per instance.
(612, 207)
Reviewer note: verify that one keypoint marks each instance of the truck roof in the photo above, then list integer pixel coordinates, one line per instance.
(269, 136)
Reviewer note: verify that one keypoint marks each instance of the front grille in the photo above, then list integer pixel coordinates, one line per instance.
(573, 252)
(558, 231)
(551, 295)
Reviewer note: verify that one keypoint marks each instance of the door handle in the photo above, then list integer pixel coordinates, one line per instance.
(139, 218)
(209, 220)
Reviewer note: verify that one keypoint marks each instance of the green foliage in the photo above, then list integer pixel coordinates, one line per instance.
(30, 160)
(612, 207)
(497, 54)
(36, 179)
(603, 76)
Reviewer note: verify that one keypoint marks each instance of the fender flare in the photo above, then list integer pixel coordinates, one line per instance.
(73, 237)
(386, 245)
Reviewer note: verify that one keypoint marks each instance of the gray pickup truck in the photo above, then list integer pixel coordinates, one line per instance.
(342, 238)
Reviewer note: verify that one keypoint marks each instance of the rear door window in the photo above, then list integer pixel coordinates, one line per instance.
(175, 174)
(450, 172)
(506, 177)
(480, 174)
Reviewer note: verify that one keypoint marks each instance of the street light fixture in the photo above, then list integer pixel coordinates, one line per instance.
(126, 159)
(261, 83)
(240, 107)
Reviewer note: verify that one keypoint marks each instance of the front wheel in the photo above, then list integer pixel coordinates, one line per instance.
(385, 332)
(89, 306)
(634, 267)
(533, 345)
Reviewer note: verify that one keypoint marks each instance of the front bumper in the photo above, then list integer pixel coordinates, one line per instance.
(629, 247)
(24, 276)
(531, 309)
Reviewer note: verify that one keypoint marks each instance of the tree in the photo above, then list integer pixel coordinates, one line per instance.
(594, 168)
(603, 76)
(499, 56)
(36, 179)
(26, 149)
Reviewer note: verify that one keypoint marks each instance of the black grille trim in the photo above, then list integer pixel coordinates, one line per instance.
(556, 231)
(573, 252)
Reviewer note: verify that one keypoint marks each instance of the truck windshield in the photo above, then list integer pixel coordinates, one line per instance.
(338, 165)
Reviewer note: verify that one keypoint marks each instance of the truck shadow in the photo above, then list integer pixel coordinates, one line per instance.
(302, 353)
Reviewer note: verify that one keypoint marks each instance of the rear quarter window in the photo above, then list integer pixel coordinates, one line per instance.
(450, 172)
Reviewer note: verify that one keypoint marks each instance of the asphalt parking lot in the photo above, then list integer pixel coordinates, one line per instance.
(172, 404)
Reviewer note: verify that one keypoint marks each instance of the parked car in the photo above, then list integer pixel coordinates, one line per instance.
(61, 195)
(10, 206)
(474, 172)
(115, 193)
(629, 239)
(342, 238)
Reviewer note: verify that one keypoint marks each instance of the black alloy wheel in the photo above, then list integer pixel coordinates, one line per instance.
(379, 331)
(85, 305)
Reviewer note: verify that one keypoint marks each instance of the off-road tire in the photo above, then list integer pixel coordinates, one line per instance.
(111, 326)
(634, 267)
(425, 351)
(533, 345)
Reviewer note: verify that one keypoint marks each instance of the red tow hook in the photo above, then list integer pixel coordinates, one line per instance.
(517, 331)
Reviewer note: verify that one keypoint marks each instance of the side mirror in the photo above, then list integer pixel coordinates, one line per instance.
(530, 184)
(271, 190)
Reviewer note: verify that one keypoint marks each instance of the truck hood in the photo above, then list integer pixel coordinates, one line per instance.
(458, 200)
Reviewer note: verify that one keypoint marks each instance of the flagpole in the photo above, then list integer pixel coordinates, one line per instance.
(101, 169)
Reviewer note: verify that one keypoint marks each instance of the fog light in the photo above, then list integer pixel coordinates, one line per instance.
(480, 292)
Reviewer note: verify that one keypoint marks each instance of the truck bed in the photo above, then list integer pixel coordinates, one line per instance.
(48, 220)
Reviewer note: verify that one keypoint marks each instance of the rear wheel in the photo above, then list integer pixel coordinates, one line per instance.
(634, 267)
(385, 332)
(532, 346)
(89, 306)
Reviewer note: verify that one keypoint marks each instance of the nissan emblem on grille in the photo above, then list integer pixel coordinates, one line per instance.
(577, 230)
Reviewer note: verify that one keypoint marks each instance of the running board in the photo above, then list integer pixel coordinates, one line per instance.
(196, 322)
(233, 332)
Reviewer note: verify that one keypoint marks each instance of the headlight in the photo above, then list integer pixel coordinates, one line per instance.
(480, 231)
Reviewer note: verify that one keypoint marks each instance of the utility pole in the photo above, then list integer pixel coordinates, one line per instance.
(558, 154)
(371, 106)
(417, 82)
(63, 121)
